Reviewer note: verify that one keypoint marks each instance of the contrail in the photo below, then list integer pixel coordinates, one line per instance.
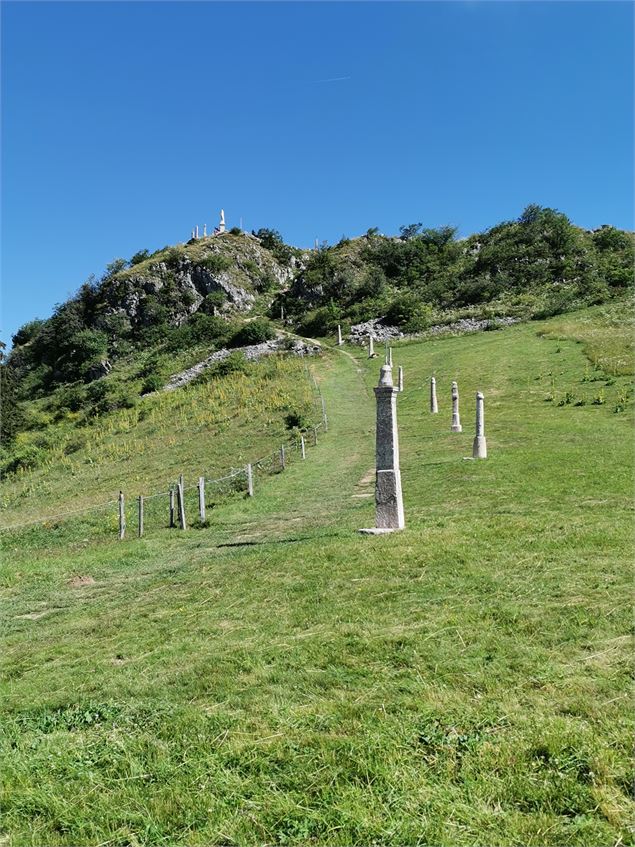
(333, 79)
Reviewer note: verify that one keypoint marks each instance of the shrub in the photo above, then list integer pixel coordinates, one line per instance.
(216, 263)
(139, 257)
(235, 230)
(153, 382)
(213, 302)
(254, 332)
(24, 458)
(409, 312)
(297, 420)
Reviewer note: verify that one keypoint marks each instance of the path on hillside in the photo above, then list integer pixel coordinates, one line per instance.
(332, 486)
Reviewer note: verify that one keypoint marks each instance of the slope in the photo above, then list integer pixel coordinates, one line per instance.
(276, 678)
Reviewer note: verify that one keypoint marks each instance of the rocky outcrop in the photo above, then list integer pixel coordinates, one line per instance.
(381, 332)
(252, 352)
(178, 279)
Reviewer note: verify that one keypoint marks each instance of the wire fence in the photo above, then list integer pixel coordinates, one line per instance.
(183, 505)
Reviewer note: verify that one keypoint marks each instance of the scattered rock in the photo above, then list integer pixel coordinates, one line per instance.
(381, 332)
(252, 352)
(470, 325)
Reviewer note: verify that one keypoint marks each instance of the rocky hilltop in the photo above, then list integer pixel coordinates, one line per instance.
(235, 266)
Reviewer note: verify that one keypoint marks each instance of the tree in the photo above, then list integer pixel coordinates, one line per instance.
(139, 257)
(11, 416)
(269, 238)
(409, 231)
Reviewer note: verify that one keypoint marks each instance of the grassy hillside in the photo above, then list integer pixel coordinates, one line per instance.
(278, 678)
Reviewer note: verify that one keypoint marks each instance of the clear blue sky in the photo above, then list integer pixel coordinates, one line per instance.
(125, 124)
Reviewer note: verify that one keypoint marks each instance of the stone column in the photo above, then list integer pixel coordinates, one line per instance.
(389, 514)
(390, 356)
(433, 396)
(479, 448)
(196, 231)
(400, 377)
(371, 347)
(456, 419)
(339, 336)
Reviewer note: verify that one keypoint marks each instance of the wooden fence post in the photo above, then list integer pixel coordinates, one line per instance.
(171, 493)
(201, 498)
(324, 418)
(250, 481)
(282, 462)
(180, 492)
(302, 447)
(122, 517)
(315, 436)
(140, 516)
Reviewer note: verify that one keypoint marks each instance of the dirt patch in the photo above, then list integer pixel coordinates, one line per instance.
(80, 581)
(368, 477)
(33, 616)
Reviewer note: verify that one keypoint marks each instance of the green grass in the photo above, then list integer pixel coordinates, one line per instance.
(201, 430)
(277, 678)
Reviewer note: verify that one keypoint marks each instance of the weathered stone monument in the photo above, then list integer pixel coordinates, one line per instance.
(389, 514)
(371, 347)
(204, 230)
(456, 418)
(400, 377)
(479, 448)
(196, 231)
(221, 223)
(434, 408)
(340, 341)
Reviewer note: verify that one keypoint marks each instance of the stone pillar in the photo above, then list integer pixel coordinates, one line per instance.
(390, 356)
(400, 377)
(204, 230)
(371, 347)
(479, 448)
(196, 231)
(456, 419)
(389, 514)
(433, 396)
(339, 336)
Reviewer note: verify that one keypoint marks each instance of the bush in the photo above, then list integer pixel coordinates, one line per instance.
(216, 263)
(213, 302)
(254, 332)
(297, 420)
(153, 382)
(321, 322)
(25, 458)
(409, 312)
(139, 257)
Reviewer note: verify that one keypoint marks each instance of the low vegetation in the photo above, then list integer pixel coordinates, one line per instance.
(277, 678)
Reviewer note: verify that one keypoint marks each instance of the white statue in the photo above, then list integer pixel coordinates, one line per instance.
(221, 224)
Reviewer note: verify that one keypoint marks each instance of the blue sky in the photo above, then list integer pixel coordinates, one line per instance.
(126, 124)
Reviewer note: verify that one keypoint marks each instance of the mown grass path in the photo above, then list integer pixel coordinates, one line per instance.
(277, 678)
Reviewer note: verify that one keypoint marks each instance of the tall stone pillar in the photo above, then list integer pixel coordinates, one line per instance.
(456, 418)
(389, 514)
(371, 347)
(339, 336)
(434, 408)
(479, 448)
(400, 377)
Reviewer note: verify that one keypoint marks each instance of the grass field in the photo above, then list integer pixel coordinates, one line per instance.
(278, 678)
